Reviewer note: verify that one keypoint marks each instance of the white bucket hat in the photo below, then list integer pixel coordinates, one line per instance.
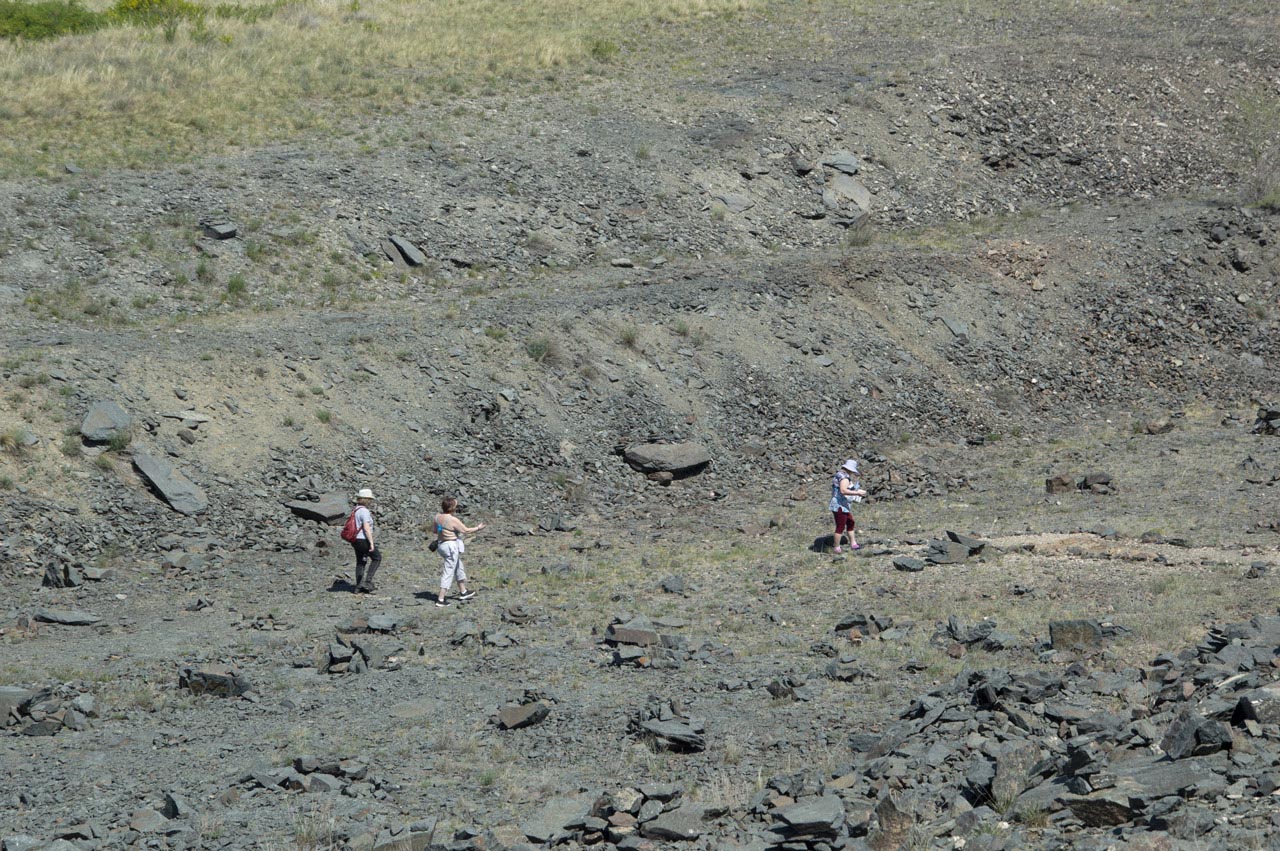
(850, 465)
(365, 493)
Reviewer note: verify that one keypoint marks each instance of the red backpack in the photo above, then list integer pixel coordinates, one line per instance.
(350, 529)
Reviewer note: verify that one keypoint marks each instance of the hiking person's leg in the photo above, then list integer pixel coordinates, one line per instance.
(375, 561)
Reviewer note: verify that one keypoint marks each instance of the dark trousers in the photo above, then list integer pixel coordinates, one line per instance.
(367, 563)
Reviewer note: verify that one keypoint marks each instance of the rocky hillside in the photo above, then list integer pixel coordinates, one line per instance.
(974, 249)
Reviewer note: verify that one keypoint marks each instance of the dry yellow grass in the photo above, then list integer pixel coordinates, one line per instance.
(137, 95)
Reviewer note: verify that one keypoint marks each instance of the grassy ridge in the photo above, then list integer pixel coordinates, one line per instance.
(154, 91)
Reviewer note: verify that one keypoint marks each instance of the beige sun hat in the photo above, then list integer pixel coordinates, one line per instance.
(850, 465)
(365, 493)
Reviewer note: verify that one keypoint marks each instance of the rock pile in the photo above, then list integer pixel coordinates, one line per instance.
(72, 575)
(355, 655)
(954, 550)
(1099, 483)
(1268, 421)
(314, 774)
(664, 725)
(46, 712)
(636, 642)
(1196, 751)
(631, 819)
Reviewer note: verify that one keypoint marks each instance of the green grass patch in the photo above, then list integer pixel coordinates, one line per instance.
(34, 21)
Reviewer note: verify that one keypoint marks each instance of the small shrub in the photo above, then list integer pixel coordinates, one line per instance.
(204, 272)
(324, 416)
(34, 21)
(603, 50)
(288, 422)
(155, 11)
(237, 286)
(6, 483)
(120, 441)
(71, 446)
(541, 349)
(629, 337)
(103, 463)
(495, 333)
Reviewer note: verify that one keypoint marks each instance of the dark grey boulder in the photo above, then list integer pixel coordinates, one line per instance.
(408, 250)
(1101, 809)
(843, 161)
(908, 564)
(674, 735)
(946, 552)
(514, 717)
(1074, 633)
(679, 459)
(183, 495)
(66, 617)
(682, 824)
(104, 420)
(221, 683)
(816, 816)
(329, 508)
(975, 545)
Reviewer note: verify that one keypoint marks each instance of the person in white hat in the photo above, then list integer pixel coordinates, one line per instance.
(367, 552)
(846, 489)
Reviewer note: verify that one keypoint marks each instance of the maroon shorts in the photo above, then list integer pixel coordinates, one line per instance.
(844, 521)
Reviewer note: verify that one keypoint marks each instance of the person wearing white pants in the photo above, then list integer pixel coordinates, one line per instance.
(449, 532)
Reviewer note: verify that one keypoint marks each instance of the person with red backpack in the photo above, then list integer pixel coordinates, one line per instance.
(359, 532)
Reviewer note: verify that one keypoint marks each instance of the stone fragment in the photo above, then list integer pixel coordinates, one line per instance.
(408, 251)
(683, 824)
(104, 420)
(66, 617)
(842, 161)
(515, 717)
(1101, 809)
(908, 564)
(733, 201)
(1074, 633)
(218, 682)
(329, 508)
(1059, 484)
(679, 459)
(219, 229)
(183, 495)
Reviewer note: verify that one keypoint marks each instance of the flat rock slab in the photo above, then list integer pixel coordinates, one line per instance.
(104, 420)
(843, 192)
(525, 715)
(843, 161)
(408, 250)
(676, 458)
(183, 495)
(329, 508)
(734, 202)
(820, 814)
(682, 824)
(66, 617)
